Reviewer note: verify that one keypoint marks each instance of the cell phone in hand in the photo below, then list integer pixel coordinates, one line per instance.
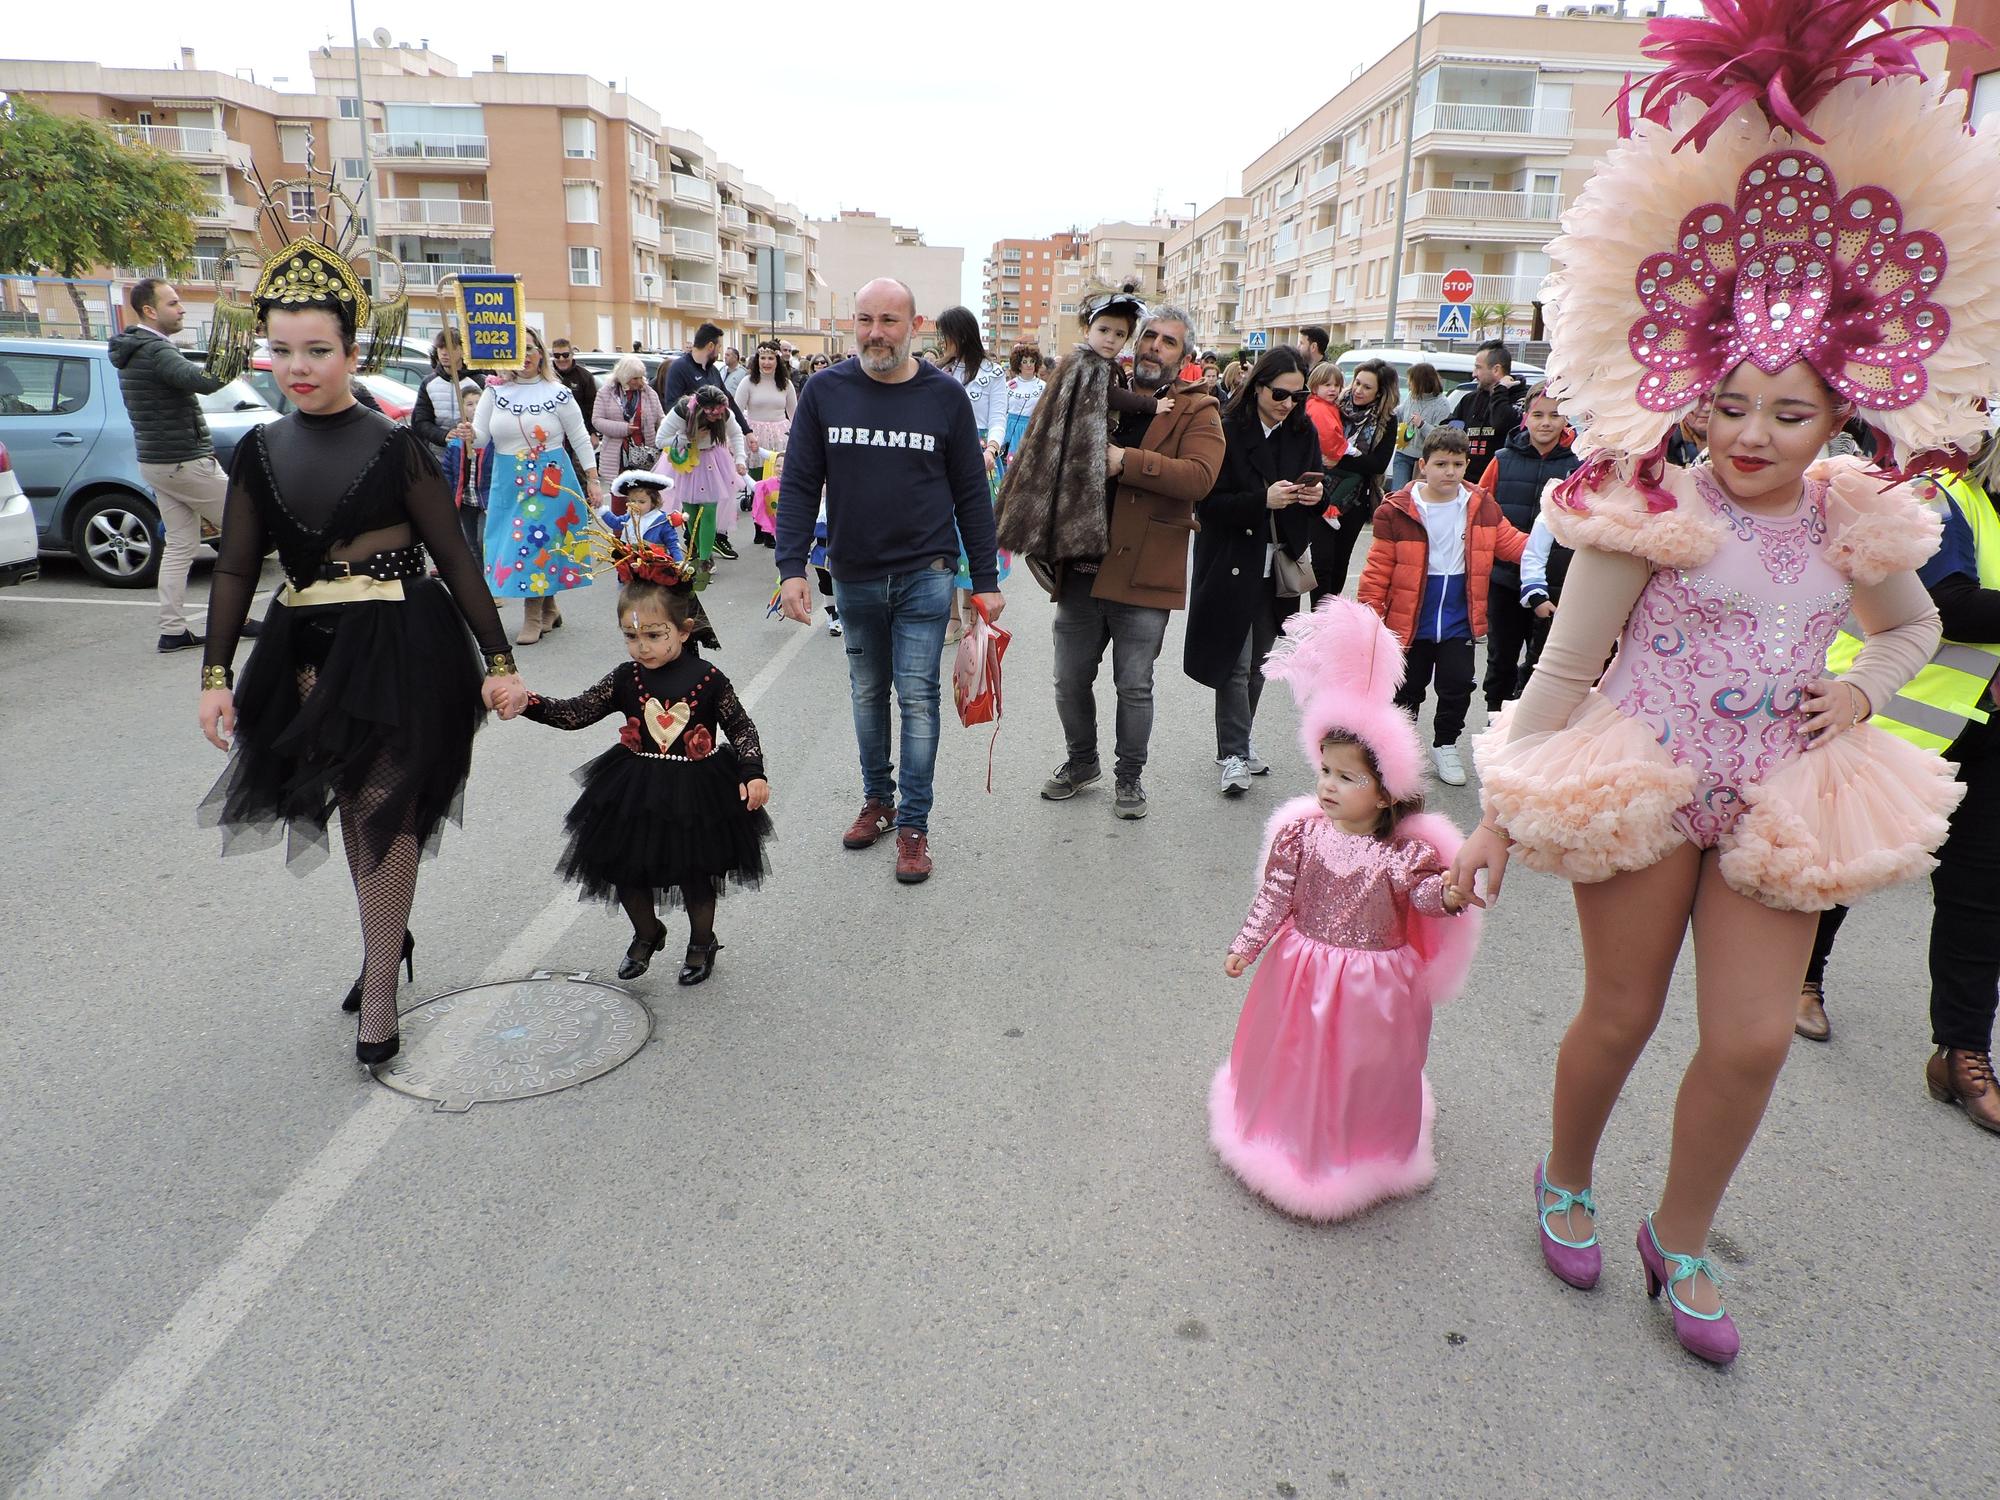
(1307, 481)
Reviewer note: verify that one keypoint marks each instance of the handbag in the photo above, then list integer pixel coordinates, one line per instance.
(1289, 575)
(637, 454)
(975, 677)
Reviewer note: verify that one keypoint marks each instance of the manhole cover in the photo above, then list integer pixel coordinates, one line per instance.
(515, 1039)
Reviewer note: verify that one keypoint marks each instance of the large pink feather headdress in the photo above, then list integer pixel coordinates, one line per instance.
(1830, 206)
(1344, 667)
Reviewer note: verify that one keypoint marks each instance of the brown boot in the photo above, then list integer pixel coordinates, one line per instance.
(1812, 1023)
(531, 623)
(1966, 1079)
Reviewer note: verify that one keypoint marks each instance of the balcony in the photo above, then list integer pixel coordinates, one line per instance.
(1541, 209)
(193, 141)
(420, 214)
(1324, 178)
(1548, 128)
(1283, 306)
(225, 213)
(431, 149)
(794, 282)
(735, 263)
(761, 234)
(692, 244)
(792, 244)
(1289, 196)
(699, 295)
(1321, 239)
(643, 168)
(1513, 291)
(693, 190)
(734, 219)
(424, 275)
(1284, 253)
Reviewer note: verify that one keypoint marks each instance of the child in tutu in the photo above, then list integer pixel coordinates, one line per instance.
(667, 812)
(1323, 1106)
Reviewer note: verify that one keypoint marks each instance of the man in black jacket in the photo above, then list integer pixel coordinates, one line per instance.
(176, 457)
(680, 376)
(575, 374)
(1492, 413)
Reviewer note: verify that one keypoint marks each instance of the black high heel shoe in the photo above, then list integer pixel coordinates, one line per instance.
(700, 961)
(353, 1001)
(639, 957)
(374, 1054)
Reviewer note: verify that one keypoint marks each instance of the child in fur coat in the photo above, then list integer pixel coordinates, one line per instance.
(1323, 1106)
(1050, 504)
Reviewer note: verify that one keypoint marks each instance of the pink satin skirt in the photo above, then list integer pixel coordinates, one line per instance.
(1323, 1107)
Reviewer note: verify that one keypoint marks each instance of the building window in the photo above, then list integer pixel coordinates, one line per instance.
(350, 109)
(292, 142)
(585, 266)
(579, 138)
(353, 168)
(580, 201)
(301, 202)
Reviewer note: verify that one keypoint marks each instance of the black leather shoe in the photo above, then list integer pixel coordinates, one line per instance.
(251, 629)
(187, 640)
(700, 961)
(353, 1001)
(639, 957)
(374, 1054)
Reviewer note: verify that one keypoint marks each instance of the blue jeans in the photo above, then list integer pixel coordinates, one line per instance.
(1402, 469)
(895, 629)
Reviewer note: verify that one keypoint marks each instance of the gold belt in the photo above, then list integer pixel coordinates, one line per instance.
(358, 589)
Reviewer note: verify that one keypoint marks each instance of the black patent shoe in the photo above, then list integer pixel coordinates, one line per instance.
(639, 957)
(353, 1001)
(700, 961)
(374, 1054)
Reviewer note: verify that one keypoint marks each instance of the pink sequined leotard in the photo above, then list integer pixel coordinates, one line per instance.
(1715, 658)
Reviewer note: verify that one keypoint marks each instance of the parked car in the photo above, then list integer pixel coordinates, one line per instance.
(396, 398)
(1454, 366)
(20, 548)
(601, 364)
(63, 420)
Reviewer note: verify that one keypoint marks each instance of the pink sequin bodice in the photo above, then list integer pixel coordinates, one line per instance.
(1344, 889)
(1715, 659)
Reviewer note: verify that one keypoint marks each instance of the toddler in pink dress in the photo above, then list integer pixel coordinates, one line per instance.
(1323, 1107)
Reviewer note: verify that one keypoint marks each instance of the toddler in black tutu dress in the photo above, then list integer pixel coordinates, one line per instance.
(667, 813)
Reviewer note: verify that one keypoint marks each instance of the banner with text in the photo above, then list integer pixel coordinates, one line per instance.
(489, 307)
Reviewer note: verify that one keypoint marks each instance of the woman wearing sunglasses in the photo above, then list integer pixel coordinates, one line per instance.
(1256, 530)
(1354, 488)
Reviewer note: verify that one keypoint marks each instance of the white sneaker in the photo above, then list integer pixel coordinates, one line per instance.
(1256, 762)
(833, 624)
(1235, 776)
(1450, 769)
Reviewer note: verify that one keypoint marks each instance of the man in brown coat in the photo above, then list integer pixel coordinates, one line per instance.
(1159, 466)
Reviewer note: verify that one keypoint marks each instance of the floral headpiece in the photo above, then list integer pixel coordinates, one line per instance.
(1778, 237)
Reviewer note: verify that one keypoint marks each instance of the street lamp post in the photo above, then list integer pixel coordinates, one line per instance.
(1403, 182)
(361, 123)
(652, 323)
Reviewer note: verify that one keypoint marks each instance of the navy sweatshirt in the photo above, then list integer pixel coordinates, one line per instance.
(904, 470)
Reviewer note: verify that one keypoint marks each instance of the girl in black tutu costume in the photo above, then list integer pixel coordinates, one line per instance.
(364, 689)
(667, 813)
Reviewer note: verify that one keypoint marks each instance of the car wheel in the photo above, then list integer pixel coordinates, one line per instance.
(117, 539)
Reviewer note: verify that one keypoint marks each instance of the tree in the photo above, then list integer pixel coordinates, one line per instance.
(1491, 317)
(74, 196)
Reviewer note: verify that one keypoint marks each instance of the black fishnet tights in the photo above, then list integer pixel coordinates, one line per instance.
(383, 865)
(699, 899)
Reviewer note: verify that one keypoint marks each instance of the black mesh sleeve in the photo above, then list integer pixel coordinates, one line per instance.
(434, 514)
(581, 711)
(240, 563)
(742, 734)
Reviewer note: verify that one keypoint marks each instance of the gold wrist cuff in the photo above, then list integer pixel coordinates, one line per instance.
(217, 677)
(501, 664)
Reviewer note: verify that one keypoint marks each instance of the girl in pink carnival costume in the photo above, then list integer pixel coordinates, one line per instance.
(1323, 1106)
(1800, 226)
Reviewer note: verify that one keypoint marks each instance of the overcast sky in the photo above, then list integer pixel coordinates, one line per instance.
(931, 113)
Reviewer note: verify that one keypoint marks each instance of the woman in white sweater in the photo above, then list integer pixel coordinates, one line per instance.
(544, 488)
(962, 355)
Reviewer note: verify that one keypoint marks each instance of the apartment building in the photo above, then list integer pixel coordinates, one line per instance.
(1203, 271)
(1020, 282)
(1110, 255)
(1512, 114)
(859, 246)
(623, 228)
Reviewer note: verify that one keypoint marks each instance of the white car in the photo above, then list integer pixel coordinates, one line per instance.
(20, 544)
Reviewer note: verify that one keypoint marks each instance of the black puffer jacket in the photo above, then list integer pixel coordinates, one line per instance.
(160, 384)
(1516, 477)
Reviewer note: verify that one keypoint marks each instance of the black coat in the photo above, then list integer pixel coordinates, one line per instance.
(683, 376)
(1229, 585)
(160, 384)
(1523, 472)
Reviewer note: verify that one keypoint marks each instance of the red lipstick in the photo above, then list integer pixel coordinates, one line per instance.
(1749, 465)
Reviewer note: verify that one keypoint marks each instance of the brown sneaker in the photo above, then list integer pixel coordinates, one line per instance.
(1812, 1023)
(1966, 1079)
(876, 819)
(913, 856)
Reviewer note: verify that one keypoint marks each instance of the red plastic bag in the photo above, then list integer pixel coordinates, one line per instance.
(975, 677)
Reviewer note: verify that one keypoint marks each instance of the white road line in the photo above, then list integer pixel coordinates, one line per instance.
(91, 1453)
(9, 597)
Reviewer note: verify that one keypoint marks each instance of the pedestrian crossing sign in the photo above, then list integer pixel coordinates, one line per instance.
(1257, 339)
(1454, 320)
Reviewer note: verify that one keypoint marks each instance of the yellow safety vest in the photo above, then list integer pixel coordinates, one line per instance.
(1934, 707)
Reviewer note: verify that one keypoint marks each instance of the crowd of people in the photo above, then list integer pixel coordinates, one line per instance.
(1738, 674)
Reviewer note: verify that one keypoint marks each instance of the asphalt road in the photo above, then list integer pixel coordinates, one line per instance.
(914, 1198)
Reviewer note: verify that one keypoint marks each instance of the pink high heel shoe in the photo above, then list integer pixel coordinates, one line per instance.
(1709, 1336)
(1578, 1262)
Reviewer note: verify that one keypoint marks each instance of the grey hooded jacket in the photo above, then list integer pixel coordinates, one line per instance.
(160, 384)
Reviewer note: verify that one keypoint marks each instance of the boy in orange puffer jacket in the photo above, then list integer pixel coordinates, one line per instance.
(1429, 569)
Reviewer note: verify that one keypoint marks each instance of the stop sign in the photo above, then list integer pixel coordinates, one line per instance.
(1458, 285)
